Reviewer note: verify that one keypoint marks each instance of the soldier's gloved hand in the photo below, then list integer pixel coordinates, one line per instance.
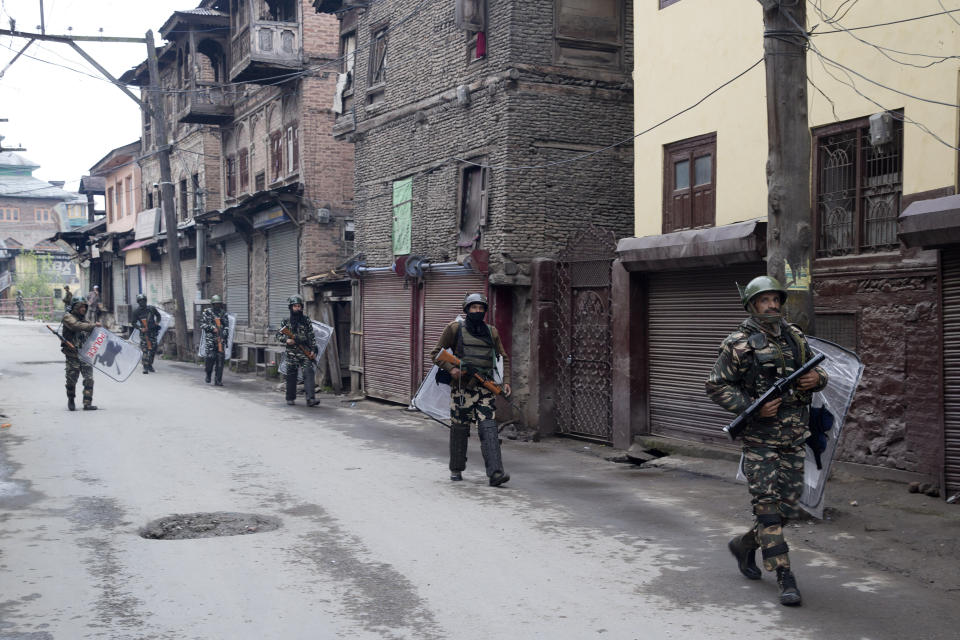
(769, 410)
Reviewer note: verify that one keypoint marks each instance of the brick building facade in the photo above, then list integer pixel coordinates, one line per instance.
(479, 118)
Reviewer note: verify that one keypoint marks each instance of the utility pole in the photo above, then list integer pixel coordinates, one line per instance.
(166, 197)
(790, 243)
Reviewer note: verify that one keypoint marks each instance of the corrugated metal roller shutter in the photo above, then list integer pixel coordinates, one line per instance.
(237, 280)
(188, 278)
(283, 279)
(154, 283)
(690, 313)
(386, 337)
(165, 282)
(951, 368)
(119, 286)
(443, 292)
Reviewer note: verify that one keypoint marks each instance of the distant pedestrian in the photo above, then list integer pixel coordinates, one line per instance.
(67, 297)
(20, 304)
(762, 350)
(477, 345)
(216, 327)
(296, 332)
(93, 304)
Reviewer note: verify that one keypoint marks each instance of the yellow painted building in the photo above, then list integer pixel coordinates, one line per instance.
(885, 217)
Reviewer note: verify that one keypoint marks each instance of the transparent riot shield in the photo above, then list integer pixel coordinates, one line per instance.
(433, 398)
(323, 333)
(231, 330)
(844, 369)
(110, 354)
(166, 321)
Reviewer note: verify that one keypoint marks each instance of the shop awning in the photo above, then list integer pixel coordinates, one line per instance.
(931, 223)
(737, 243)
(140, 244)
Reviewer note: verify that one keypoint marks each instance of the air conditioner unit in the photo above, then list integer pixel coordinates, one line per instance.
(881, 129)
(323, 215)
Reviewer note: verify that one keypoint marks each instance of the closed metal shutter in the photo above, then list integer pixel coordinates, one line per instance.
(386, 337)
(167, 287)
(689, 315)
(237, 279)
(283, 271)
(154, 283)
(950, 262)
(119, 286)
(443, 292)
(188, 279)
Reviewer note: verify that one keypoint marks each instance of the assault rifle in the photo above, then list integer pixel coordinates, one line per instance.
(287, 332)
(146, 334)
(485, 382)
(779, 388)
(62, 339)
(216, 321)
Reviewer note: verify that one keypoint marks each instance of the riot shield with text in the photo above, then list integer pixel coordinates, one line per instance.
(110, 354)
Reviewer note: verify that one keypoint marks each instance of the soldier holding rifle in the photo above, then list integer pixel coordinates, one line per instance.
(216, 327)
(477, 345)
(296, 332)
(764, 349)
(75, 331)
(146, 318)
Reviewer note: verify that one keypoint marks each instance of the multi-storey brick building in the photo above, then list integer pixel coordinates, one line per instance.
(480, 132)
(263, 192)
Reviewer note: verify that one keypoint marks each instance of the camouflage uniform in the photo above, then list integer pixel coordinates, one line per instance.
(75, 331)
(67, 298)
(750, 360)
(19, 305)
(469, 401)
(148, 334)
(303, 335)
(213, 356)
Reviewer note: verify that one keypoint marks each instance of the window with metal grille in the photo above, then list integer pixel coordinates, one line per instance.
(243, 162)
(231, 176)
(689, 183)
(276, 156)
(857, 188)
(839, 328)
(182, 204)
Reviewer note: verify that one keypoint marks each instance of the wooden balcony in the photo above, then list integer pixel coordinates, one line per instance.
(265, 52)
(205, 103)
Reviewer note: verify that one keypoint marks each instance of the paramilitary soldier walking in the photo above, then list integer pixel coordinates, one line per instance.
(75, 331)
(216, 327)
(146, 318)
(763, 349)
(296, 332)
(477, 344)
(20, 305)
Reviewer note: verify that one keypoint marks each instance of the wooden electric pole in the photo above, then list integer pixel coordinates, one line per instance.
(166, 197)
(790, 243)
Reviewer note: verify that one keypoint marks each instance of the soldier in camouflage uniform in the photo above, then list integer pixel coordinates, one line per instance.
(67, 297)
(75, 331)
(477, 344)
(302, 329)
(19, 305)
(215, 345)
(763, 349)
(146, 318)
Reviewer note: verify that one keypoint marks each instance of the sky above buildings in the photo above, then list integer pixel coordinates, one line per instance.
(58, 107)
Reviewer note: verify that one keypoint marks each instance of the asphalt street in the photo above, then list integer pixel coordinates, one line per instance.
(375, 541)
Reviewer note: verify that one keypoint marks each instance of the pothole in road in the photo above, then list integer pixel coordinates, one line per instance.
(207, 525)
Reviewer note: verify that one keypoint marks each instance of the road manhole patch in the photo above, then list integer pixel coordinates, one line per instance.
(219, 524)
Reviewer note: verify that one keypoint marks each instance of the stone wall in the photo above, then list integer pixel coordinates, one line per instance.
(895, 420)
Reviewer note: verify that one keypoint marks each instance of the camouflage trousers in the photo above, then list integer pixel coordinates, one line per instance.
(467, 407)
(74, 368)
(775, 478)
(149, 349)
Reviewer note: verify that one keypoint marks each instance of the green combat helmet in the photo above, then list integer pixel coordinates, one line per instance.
(216, 299)
(474, 298)
(759, 285)
(77, 300)
(294, 299)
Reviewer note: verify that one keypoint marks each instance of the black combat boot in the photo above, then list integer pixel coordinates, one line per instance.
(744, 548)
(71, 405)
(89, 407)
(789, 594)
(456, 476)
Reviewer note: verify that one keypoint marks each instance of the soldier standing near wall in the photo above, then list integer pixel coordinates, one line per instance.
(75, 331)
(477, 344)
(763, 349)
(216, 328)
(146, 318)
(19, 305)
(67, 297)
(298, 326)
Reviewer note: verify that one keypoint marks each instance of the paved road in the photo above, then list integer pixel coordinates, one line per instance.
(375, 542)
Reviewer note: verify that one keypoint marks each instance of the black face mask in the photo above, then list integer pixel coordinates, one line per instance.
(475, 317)
(142, 303)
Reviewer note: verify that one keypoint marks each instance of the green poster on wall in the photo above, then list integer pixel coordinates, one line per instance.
(402, 209)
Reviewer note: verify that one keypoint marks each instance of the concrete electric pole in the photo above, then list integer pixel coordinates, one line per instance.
(790, 241)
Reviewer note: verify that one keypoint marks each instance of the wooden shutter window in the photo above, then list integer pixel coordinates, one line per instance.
(689, 191)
